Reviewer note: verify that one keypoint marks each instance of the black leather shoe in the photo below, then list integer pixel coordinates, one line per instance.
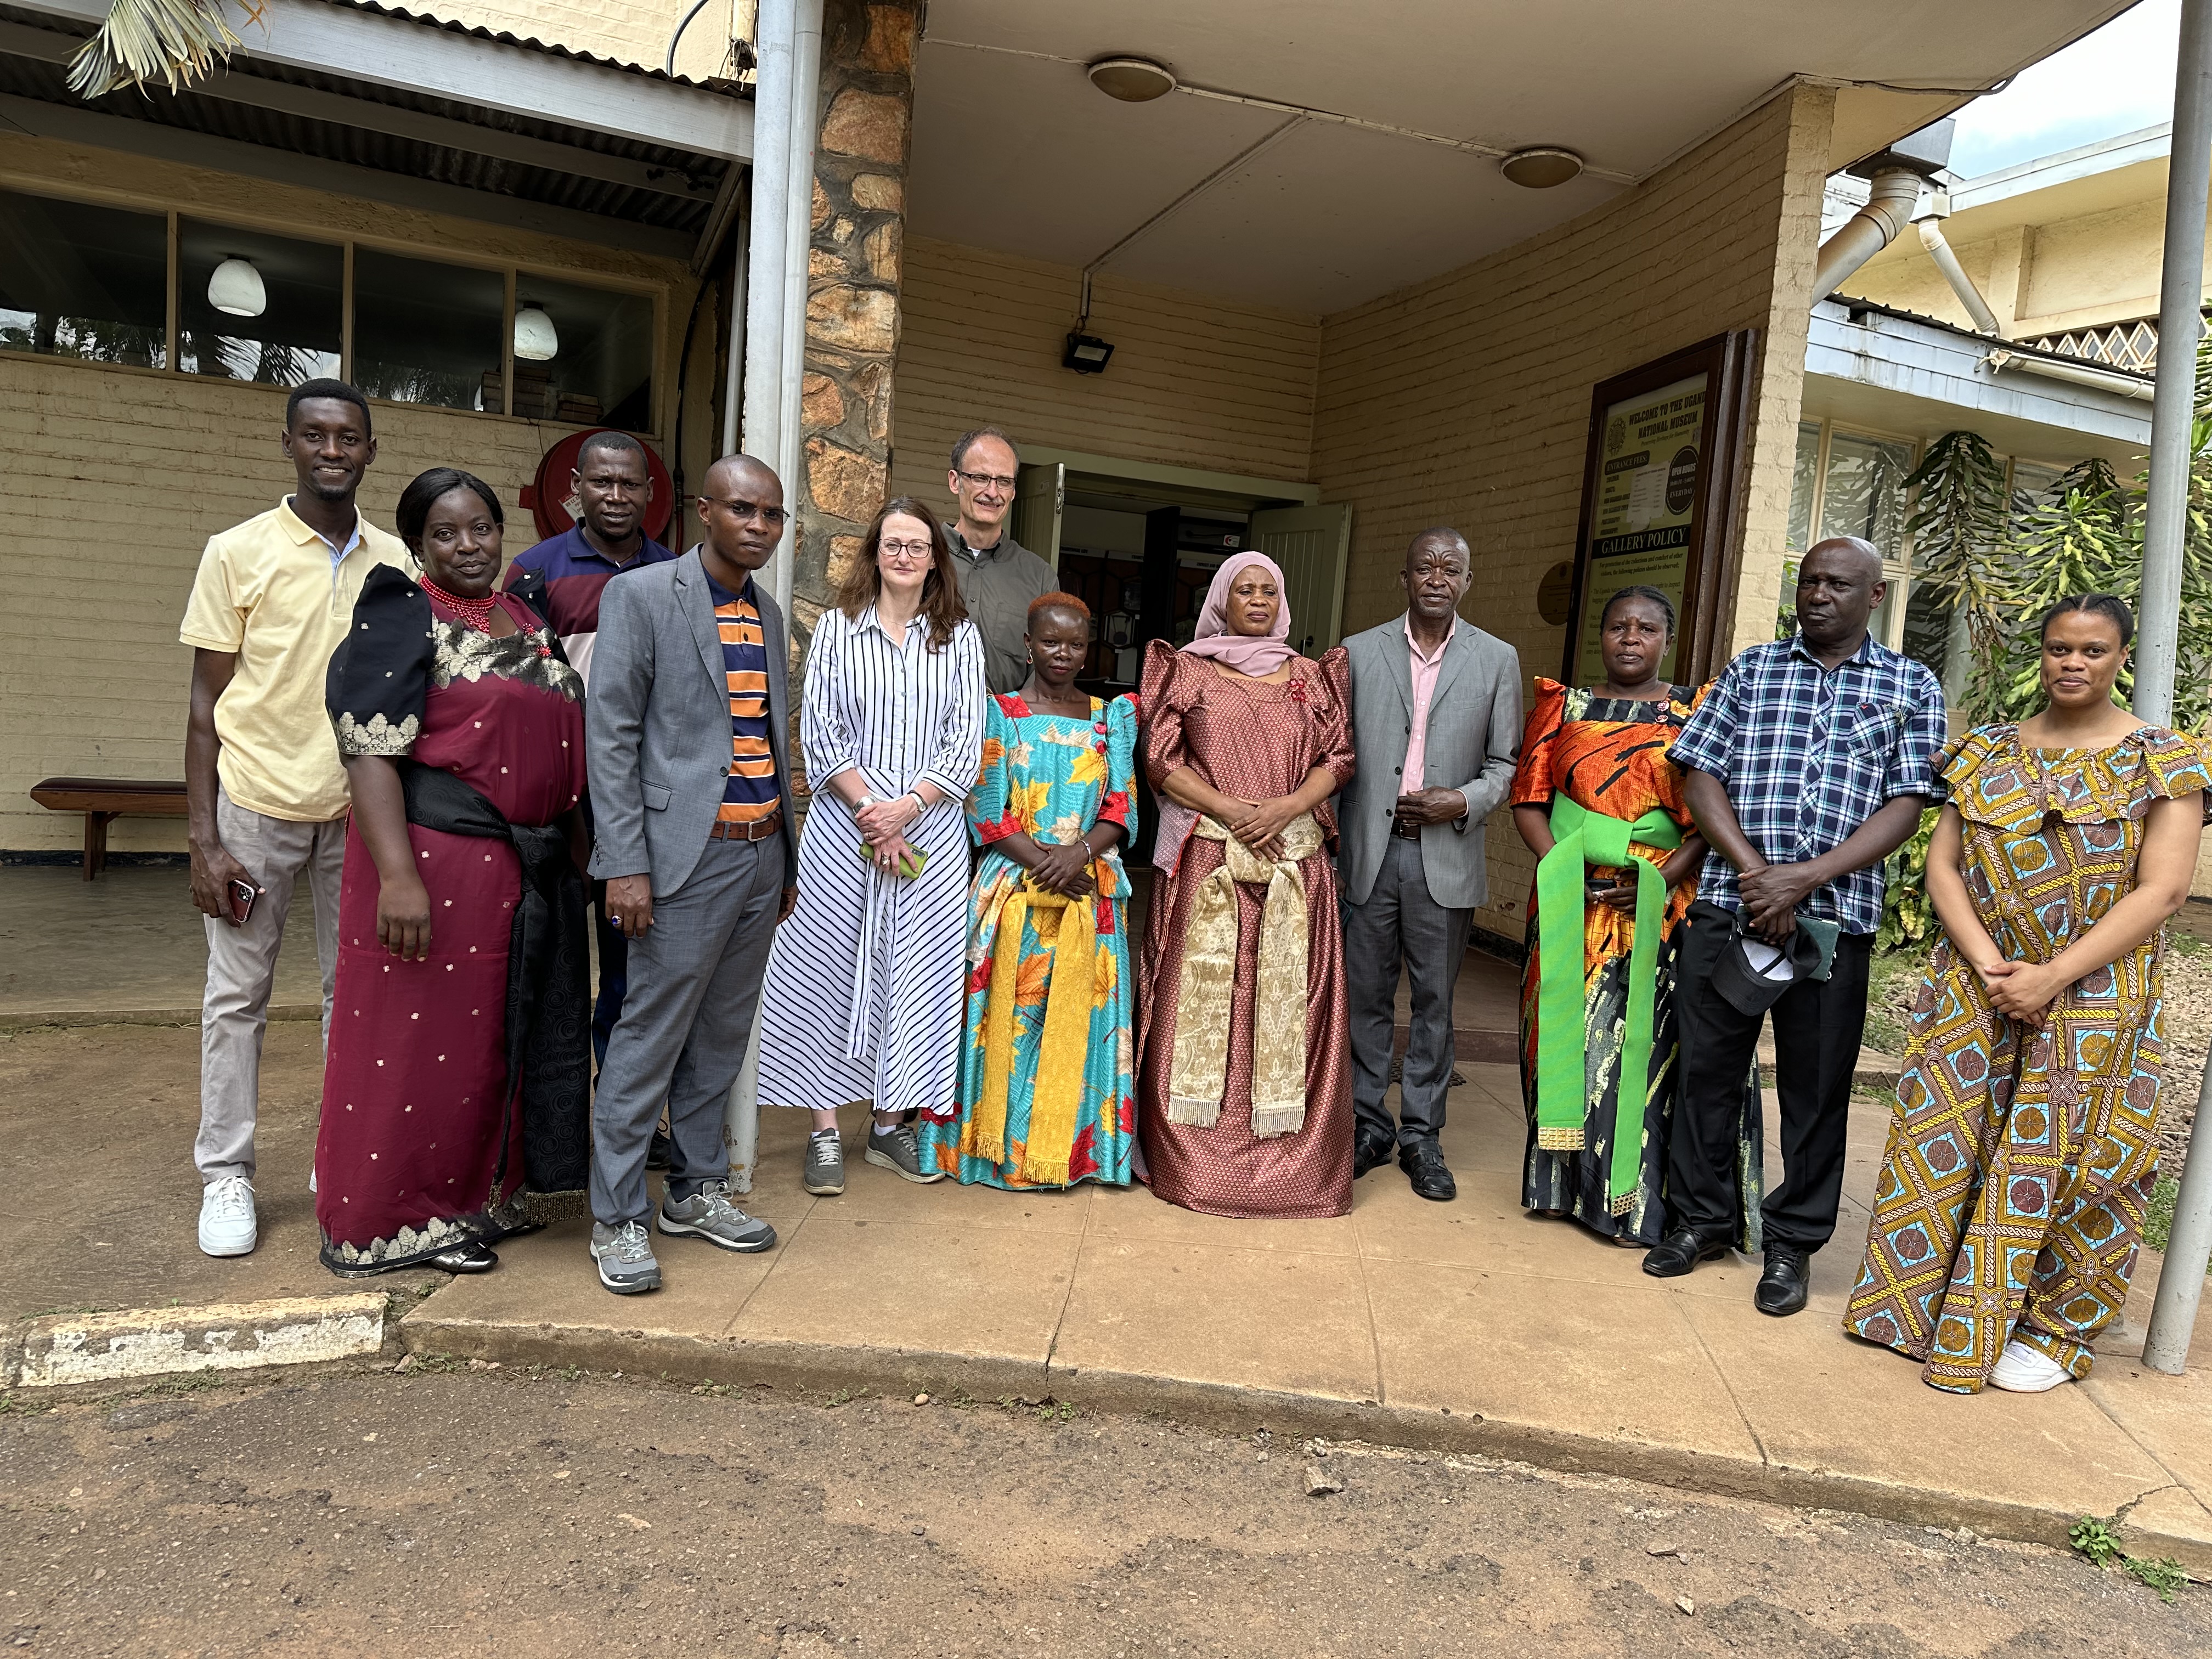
(475, 1258)
(1371, 1152)
(1424, 1164)
(1786, 1283)
(1680, 1251)
(657, 1150)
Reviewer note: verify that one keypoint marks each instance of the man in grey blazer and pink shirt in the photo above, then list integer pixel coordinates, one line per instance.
(690, 792)
(1435, 719)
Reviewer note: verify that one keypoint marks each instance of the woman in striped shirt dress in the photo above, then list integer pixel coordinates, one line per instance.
(866, 981)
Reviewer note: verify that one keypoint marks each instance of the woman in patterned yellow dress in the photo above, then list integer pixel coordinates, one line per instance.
(2023, 1146)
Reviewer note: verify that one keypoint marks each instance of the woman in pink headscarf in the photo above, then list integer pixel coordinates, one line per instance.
(1242, 1073)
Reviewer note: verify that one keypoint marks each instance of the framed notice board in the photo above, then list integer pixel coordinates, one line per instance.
(1658, 506)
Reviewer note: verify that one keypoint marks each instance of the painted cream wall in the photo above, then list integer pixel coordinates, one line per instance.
(115, 478)
(1465, 400)
(2047, 269)
(1194, 381)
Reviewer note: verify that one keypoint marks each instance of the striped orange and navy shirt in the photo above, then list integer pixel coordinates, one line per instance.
(750, 796)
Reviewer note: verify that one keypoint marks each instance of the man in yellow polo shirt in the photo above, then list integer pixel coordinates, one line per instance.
(267, 791)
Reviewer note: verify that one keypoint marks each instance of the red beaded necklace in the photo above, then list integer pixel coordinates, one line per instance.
(476, 613)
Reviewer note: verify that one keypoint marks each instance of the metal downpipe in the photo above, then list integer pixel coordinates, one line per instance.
(1931, 238)
(1872, 228)
(2181, 290)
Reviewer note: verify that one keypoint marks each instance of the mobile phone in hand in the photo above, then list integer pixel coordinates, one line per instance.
(242, 895)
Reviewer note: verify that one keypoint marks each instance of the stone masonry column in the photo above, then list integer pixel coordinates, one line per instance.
(853, 290)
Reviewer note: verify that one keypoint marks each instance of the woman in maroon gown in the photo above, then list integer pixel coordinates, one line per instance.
(1245, 1091)
(459, 1034)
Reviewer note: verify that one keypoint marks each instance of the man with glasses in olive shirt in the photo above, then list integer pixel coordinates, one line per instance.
(998, 576)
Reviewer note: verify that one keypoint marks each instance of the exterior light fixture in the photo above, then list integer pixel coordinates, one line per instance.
(535, 338)
(1086, 354)
(236, 289)
(1541, 166)
(1132, 80)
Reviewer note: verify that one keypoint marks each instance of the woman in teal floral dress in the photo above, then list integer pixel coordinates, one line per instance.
(1047, 1094)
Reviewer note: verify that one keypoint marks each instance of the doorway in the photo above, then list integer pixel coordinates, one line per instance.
(1138, 542)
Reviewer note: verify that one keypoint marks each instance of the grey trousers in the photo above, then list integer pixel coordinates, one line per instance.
(242, 970)
(1402, 925)
(694, 981)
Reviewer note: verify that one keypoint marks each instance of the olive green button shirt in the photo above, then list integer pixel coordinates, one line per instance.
(997, 584)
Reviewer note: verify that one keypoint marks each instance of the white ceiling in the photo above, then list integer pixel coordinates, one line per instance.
(1014, 149)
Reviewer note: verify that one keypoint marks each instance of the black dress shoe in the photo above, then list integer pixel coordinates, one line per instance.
(1424, 1164)
(1679, 1251)
(1786, 1283)
(473, 1258)
(1371, 1152)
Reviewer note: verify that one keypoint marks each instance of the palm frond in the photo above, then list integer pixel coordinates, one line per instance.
(176, 41)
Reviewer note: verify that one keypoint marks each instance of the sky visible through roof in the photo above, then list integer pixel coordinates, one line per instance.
(2115, 80)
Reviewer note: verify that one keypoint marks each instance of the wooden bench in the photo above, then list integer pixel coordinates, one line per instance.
(103, 799)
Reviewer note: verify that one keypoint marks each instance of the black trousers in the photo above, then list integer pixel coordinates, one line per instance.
(1817, 1027)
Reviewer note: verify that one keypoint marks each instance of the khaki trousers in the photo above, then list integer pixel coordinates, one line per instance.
(242, 972)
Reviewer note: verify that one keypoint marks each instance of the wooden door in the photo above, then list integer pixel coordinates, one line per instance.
(1311, 545)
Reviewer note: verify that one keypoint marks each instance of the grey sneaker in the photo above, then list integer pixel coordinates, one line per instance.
(625, 1257)
(710, 1215)
(899, 1152)
(825, 1164)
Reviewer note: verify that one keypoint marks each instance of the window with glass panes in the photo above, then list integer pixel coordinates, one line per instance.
(160, 290)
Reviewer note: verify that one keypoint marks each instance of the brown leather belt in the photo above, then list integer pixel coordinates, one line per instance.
(759, 831)
(1405, 831)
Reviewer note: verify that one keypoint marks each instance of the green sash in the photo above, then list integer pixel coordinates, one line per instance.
(1582, 838)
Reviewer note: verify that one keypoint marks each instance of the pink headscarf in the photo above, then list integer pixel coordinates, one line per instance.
(1247, 653)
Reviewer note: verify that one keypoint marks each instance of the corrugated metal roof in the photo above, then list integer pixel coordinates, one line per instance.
(478, 32)
(681, 205)
(2016, 347)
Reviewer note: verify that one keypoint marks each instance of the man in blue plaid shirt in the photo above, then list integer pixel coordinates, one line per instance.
(1807, 764)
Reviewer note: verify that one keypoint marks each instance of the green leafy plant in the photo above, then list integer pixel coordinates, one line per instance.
(2099, 1543)
(1907, 916)
(2095, 1539)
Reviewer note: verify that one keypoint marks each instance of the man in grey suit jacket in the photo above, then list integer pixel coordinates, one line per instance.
(690, 789)
(1436, 719)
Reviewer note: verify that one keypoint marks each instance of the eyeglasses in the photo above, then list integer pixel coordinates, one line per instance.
(907, 550)
(980, 479)
(770, 516)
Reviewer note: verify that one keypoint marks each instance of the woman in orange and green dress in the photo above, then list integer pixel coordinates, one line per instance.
(2024, 1142)
(1601, 805)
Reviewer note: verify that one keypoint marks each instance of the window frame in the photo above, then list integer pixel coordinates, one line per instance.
(1896, 569)
(511, 270)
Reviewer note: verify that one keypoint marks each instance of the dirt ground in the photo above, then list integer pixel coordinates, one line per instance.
(448, 1511)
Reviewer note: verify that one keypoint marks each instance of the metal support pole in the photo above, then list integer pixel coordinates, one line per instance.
(2181, 298)
(771, 181)
(799, 235)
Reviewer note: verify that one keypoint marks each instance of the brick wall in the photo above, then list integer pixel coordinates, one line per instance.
(1465, 400)
(1194, 381)
(115, 477)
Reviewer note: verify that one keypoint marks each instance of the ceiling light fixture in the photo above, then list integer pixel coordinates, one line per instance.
(1541, 166)
(536, 339)
(1132, 80)
(236, 289)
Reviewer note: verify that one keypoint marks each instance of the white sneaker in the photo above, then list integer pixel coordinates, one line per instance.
(227, 1226)
(2022, 1369)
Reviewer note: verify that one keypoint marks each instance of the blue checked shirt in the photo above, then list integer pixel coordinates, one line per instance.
(1808, 755)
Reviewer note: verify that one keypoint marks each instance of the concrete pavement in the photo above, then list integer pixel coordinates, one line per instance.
(1464, 1327)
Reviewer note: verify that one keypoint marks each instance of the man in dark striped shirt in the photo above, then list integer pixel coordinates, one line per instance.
(562, 580)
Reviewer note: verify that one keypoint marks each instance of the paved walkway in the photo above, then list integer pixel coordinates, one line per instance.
(1460, 1326)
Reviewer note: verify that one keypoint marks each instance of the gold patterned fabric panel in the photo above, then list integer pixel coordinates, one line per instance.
(2019, 1160)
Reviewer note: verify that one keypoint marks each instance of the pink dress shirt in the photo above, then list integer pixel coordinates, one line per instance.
(1424, 686)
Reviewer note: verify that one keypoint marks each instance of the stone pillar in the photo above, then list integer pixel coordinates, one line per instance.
(852, 289)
